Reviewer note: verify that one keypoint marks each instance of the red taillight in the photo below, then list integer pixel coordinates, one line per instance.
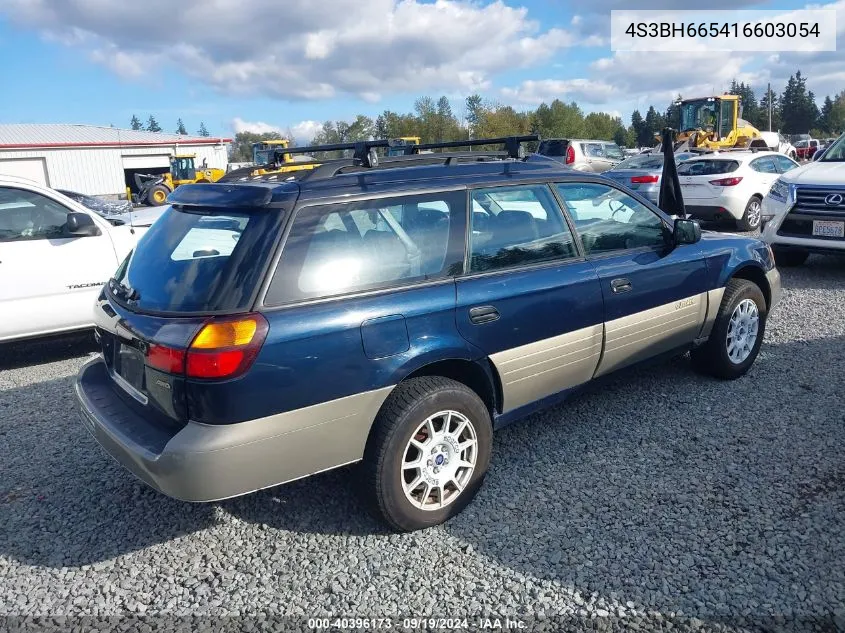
(726, 182)
(166, 359)
(570, 155)
(225, 348)
(644, 179)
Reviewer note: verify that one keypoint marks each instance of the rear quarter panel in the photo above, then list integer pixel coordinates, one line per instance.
(316, 353)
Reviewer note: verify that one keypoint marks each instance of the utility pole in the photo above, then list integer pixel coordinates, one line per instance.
(769, 100)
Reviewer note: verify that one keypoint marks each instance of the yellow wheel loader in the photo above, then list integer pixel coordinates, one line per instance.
(153, 189)
(714, 123)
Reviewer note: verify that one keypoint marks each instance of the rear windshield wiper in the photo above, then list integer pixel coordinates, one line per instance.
(129, 294)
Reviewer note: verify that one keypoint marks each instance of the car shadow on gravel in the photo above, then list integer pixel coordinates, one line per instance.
(46, 350)
(820, 272)
(666, 489)
(63, 501)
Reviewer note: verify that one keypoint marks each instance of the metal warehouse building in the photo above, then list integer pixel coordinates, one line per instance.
(97, 160)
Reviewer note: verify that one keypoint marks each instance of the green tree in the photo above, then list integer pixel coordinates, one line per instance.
(475, 109)
(203, 131)
(654, 123)
(600, 125)
(673, 114)
(180, 127)
(764, 112)
(825, 115)
(152, 125)
(135, 123)
(798, 108)
(558, 120)
(638, 130)
(837, 114)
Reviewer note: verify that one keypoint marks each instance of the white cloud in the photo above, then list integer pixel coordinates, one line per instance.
(305, 131)
(535, 92)
(256, 127)
(300, 49)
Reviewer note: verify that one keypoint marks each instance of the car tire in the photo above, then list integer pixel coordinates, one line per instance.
(412, 425)
(752, 215)
(727, 354)
(157, 195)
(790, 257)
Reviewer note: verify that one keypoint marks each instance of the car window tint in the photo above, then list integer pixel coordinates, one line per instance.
(26, 215)
(785, 163)
(351, 247)
(592, 150)
(765, 165)
(514, 226)
(609, 220)
(707, 167)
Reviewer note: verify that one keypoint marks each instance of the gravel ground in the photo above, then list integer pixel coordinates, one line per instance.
(660, 497)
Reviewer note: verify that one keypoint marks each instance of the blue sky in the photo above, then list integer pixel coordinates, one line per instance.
(292, 65)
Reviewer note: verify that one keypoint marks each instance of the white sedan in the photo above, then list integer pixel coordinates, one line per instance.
(731, 184)
(55, 256)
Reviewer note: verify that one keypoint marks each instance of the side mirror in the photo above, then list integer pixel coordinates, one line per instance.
(81, 225)
(686, 232)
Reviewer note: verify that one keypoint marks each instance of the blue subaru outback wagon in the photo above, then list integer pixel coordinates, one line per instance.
(395, 312)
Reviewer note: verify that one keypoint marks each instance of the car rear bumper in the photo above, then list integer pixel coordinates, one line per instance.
(201, 462)
(710, 212)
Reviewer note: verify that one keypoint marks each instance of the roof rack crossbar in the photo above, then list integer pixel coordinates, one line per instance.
(362, 150)
(512, 144)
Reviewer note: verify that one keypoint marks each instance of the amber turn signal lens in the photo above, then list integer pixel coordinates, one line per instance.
(225, 334)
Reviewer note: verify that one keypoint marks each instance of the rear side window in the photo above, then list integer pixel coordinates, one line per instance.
(198, 261)
(707, 167)
(765, 165)
(358, 246)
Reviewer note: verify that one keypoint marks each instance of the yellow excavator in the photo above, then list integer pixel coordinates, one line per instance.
(153, 189)
(714, 123)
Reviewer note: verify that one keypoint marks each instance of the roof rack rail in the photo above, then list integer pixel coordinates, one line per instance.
(366, 157)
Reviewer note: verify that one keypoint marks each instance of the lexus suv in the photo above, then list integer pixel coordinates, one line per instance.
(804, 211)
(396, 311)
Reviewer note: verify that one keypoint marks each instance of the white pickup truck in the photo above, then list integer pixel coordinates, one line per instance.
(55, 256)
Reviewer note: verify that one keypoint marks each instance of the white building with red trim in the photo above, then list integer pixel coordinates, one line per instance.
(97, 160)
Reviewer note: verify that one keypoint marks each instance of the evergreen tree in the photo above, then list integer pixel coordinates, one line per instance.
(152, 125)
(203, 131)
(638, 128)
(180, 127)
(825, 115)
(135, 124)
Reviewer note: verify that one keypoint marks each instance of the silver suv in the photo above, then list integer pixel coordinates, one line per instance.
(583, 155)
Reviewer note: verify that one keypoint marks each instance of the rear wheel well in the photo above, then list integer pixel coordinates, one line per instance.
(756, 276)
(470, 373)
